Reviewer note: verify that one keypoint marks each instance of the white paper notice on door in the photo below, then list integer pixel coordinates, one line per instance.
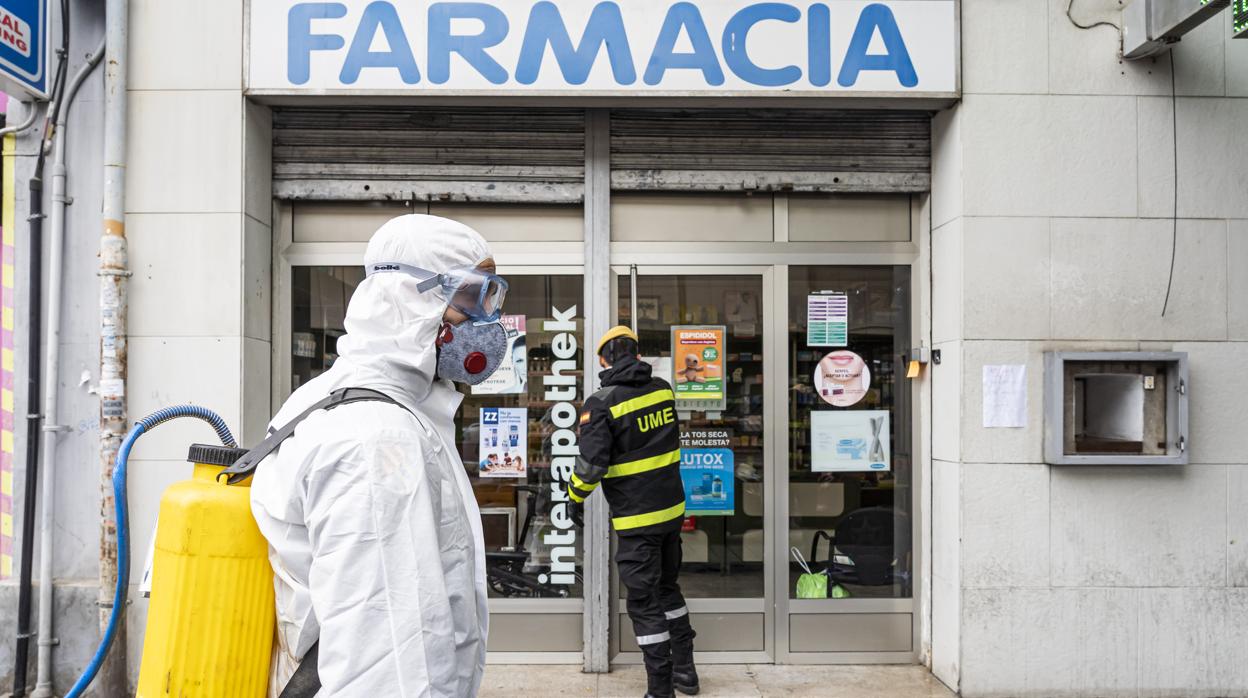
(1005, 396)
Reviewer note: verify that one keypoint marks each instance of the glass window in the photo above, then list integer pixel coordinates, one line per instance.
(522, 415)
(850, 422)
(722, 461)
(319, 297)
(532, 550)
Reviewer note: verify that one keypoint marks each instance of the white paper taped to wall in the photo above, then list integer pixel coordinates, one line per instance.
(1005, 396)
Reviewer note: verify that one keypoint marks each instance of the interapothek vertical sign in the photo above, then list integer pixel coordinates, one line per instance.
(897, 47)
(24, 47)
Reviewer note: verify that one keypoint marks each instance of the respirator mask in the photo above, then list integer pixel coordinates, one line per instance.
(470, 351)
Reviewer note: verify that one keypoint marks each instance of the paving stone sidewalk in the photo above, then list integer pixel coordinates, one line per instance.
(721, 680)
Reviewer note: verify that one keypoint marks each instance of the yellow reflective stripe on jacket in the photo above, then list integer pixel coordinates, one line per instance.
(578, 490)
(623, 523)
(579, 484)
(644, 465)
(641, 403)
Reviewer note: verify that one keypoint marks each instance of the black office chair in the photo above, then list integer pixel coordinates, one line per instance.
(872, 539)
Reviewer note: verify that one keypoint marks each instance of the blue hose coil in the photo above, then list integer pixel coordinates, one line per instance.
(122, 513)
(159, 417)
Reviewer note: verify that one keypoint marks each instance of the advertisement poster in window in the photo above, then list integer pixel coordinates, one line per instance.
(849, 441)
(512, 376)
(842, 378)
(827, 320)
(504, 442)
(708, 471)
(698, 366)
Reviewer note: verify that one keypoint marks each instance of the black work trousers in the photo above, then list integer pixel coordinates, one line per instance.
(649, 566)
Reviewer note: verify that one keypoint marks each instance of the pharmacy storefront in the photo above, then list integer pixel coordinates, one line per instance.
(744, 183)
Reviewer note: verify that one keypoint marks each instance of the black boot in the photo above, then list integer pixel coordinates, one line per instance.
(659, 686)
(684, 673)
(658, 658)
(685, 680)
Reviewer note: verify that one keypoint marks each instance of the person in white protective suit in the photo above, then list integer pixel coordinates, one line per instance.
(374, 533)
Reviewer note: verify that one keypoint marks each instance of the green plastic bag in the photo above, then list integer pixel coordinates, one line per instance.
(810, 585)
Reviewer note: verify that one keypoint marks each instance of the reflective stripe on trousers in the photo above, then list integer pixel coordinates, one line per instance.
(643, 640)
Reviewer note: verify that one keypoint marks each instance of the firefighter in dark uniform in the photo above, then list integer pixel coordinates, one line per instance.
(630, 443)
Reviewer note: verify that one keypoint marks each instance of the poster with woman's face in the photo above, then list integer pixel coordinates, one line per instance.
(512, 375)
(842, 378)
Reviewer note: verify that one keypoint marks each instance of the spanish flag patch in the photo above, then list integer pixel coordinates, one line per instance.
(584, 418)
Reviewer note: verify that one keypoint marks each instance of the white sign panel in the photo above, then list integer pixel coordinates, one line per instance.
(712, 47)
(849, 441)
(1005, 397)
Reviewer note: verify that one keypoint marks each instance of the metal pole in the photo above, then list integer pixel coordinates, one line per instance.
(51, 368)
(114, 280)
(597, 573)
(632, 295)
(34, 331)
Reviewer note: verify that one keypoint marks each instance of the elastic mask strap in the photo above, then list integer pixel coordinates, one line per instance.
(429, 280)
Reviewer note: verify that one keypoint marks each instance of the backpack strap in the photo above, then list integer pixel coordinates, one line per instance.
(306, 681)
(245, 466)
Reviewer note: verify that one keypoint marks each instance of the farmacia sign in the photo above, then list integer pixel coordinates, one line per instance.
(900, 47)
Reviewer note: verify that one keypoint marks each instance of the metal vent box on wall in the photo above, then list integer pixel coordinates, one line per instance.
(1115, 408)
(1151, 27)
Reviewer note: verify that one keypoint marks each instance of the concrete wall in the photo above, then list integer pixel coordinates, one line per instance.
(199, 213)
(77, 475)
(199, 216)
(1052, 203)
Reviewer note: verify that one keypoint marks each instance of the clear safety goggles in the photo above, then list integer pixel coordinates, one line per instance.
(473, 292)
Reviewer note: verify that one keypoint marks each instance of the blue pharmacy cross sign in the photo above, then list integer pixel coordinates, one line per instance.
(23, 47)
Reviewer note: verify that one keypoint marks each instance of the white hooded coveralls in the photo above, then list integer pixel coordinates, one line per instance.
(374, 532)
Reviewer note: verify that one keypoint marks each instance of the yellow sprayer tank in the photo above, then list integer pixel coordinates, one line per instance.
(210, 618)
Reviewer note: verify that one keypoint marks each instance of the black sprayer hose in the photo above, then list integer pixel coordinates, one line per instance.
(21, 649)
(34, 333)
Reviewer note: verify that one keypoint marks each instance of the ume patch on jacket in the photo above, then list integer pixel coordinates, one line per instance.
(653, 420)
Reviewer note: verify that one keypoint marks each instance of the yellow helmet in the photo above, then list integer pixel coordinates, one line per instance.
(615, 333)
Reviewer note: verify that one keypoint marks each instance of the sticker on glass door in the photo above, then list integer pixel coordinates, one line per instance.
(708, 471)
(849, 441)
(698, 365)
(504, 442)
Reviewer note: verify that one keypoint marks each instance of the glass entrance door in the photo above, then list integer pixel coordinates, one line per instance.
(849, 470)
(704, 330)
